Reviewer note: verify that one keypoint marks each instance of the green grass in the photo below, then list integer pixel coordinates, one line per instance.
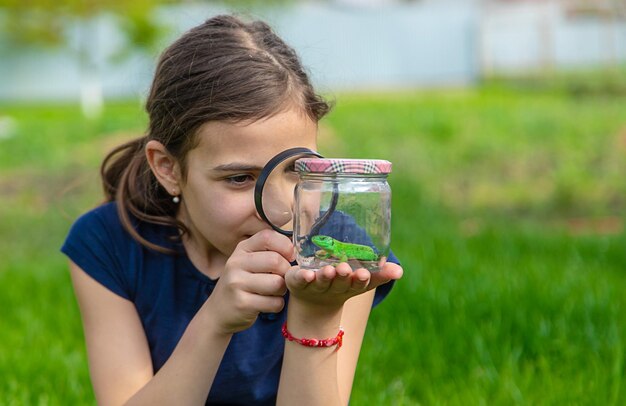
(507, 215)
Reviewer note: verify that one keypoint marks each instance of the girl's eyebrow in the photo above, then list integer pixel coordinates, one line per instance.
(235, 166)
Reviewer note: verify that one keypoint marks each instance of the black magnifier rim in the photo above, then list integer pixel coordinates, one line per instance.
(264, 175)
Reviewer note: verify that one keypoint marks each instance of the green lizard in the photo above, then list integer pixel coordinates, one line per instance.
(342, 250)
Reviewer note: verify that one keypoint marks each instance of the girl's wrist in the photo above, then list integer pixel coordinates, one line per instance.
(306, 319)
(210, 321)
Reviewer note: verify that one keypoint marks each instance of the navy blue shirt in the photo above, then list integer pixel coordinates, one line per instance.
(167, 291)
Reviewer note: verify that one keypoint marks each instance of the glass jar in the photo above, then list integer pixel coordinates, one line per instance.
(342, 213)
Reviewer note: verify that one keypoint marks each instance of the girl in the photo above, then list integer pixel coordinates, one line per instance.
(182, 288)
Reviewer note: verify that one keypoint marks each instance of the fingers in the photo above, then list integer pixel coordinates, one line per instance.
(253, 280)
(267, 284)
(392, 271)
(332, 286)
(333, 280)
(265, 252)
(259, 272)
(388, 272)
(323, 279)
(268, 240)
(261, 304)
(298, 279)
(261, 262)
(343, 279)
(361, 280)
(313, 281)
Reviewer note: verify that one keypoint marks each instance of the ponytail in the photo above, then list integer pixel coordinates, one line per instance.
(116, 162)
(128, 180)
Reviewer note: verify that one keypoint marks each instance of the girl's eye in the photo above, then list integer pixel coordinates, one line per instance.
(291, 168)
(239, 180)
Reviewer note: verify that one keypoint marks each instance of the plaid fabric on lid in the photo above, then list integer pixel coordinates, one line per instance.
(357, 166)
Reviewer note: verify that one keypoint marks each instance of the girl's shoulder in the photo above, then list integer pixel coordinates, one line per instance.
(104, 224)
(100, 225)
(101, 246)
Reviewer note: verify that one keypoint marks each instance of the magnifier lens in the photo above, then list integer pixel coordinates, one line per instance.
(278, 195)
(274, 189)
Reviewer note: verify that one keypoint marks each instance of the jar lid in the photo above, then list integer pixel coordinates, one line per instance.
(337, 165)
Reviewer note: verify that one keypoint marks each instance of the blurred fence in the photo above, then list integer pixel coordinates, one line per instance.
(419, 44)
(537, 36)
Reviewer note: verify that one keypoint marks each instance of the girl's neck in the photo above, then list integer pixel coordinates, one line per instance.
(204, 257)
(208, 262)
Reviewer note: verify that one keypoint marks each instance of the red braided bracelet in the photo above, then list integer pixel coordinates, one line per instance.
(314, 342)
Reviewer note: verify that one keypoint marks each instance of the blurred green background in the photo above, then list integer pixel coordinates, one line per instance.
(508, 216)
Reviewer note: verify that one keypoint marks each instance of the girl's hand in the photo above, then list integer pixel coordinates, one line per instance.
(332, 286)
(252, 281)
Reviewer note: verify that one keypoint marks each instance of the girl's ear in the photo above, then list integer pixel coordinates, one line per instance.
(164, 166)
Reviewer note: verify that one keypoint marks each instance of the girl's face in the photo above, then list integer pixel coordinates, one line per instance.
(218, 195)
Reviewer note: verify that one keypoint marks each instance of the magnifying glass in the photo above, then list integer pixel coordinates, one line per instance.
(274, 190)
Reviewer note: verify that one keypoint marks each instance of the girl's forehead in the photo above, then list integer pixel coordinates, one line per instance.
(255, 142)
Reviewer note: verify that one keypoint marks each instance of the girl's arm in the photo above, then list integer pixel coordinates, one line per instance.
(119, 357)
(319, 304)
(356, 312)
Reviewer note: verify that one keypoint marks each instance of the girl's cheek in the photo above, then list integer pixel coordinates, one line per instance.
(229, 209)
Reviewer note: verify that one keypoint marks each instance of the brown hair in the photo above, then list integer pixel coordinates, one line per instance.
(222, 70)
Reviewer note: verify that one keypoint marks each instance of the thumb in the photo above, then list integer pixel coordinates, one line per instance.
(389, 272)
